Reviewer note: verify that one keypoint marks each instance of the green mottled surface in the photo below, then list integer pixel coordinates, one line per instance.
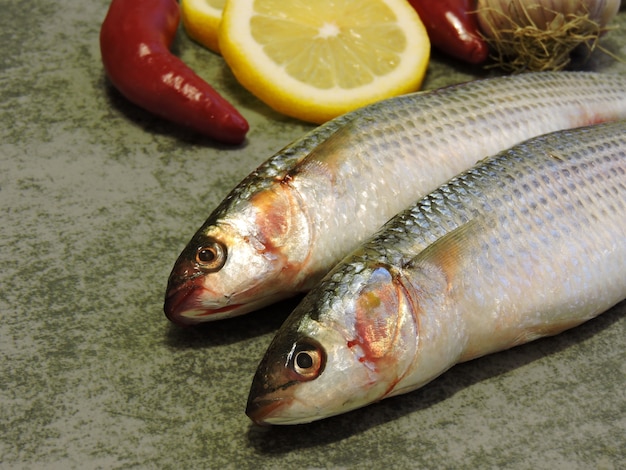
(98, 198)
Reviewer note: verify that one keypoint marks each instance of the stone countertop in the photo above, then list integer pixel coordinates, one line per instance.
(98, 199)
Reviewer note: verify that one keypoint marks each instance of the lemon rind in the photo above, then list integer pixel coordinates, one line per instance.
(201, 23)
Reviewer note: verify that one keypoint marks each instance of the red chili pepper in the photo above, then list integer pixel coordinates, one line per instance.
(134, 42)
(452, 28)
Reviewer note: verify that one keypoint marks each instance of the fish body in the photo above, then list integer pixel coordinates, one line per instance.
(289, 222)
(525, 244)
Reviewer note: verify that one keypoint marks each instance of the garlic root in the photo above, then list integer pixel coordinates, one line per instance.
(535, 35)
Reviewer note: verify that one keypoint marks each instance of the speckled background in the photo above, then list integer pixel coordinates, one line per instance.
(98, 198)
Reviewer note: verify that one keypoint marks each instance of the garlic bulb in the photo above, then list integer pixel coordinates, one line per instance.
(541, 34)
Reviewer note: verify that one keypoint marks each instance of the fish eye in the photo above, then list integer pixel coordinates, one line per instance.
(212, 256)
(306, 360)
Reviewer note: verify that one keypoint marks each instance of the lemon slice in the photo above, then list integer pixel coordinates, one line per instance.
(201, 20)
(314, 60)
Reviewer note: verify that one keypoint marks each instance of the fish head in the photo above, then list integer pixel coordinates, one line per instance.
(335, 356)
(240, 261)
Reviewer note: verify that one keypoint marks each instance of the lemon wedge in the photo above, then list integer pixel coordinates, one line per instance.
(201, 20)
(314, 60)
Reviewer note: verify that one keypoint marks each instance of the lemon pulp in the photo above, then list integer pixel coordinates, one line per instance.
(315, 60)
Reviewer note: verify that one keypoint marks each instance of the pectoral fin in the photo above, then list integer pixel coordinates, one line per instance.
(448, 253)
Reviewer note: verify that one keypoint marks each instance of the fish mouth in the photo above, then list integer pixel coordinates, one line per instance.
(183, 306)
(261, 410)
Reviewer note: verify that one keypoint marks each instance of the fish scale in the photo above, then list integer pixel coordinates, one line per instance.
(525, 244)
(277, 167)
(289, 222)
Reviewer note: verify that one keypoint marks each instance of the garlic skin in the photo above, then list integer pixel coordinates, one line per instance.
(534, 35)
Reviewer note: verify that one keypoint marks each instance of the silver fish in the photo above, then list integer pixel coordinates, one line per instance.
(285, 226)
(525, 244)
